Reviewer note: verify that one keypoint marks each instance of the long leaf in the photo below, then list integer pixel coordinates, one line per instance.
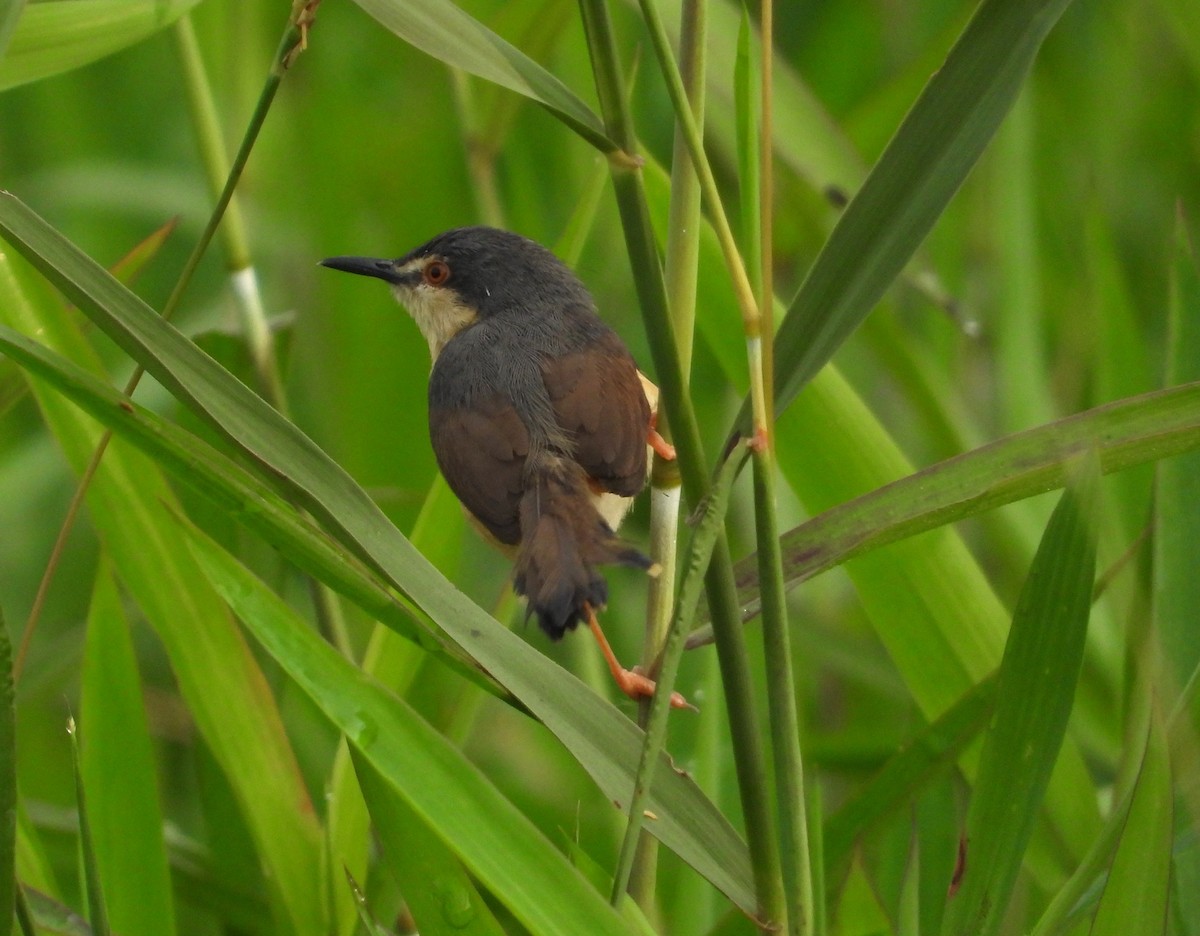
(1177, 489)
(497, 842)
(118, 773)
(93, 889)
(604, 743)
(442, 30)
(1128, 432)
(58, 35)
(1034, 695)
(221, 683)
(1136, 892)
(911, 184)
(437, 889)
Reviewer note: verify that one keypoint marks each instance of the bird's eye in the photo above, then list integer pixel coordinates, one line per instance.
(436, 272)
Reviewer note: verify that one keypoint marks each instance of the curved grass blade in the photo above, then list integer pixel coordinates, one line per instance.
(1128, 432)
(117, 767)
(497, 842)
(56, 36)
(1177, 489)
(605, 744)
(222, 685)
(97, 910)
(1034, 695)
(439, 893)
(442, 30)
(913, 181)
(1135, 898)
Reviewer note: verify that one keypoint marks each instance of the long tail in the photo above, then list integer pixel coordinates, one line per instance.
(563, 540)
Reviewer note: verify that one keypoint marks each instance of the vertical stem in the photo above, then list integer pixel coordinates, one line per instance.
(721, 587)
(681, 262)
(781, 682)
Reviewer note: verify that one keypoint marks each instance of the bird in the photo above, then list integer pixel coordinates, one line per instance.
(539, 418)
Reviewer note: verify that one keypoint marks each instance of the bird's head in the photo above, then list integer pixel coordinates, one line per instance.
(467, 274)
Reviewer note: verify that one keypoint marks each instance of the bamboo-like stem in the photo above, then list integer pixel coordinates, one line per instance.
(680, 265)
(704, 538)
(781, 682)
(695, 144)
(293, 41)
(720, 585)
(781, 692)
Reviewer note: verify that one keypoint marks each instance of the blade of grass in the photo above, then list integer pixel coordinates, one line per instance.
(1136, 892)
(222, 686)
(1150, 427)
(1177, 494)
(118, 772)
(1034, 695)
(92, 887)
(368, 923)
(439, 893)
(494, 840)
(605, 743)
(444, 31)
(56, 36)
(920, 170)
(8, 786)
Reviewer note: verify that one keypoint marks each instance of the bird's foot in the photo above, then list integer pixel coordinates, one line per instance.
(637, 685)
(662, 448)
(634, 683)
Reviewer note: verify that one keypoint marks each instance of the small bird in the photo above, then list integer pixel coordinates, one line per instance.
(538, 416)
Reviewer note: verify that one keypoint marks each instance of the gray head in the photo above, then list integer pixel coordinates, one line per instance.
(472, 273)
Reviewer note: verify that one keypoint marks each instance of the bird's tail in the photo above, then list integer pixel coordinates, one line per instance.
(563, 540)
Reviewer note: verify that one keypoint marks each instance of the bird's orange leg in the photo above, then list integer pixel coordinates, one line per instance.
(661, 446)
(634, 684)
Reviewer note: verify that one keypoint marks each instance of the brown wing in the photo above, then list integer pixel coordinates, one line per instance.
(482, 452)
(598, 400)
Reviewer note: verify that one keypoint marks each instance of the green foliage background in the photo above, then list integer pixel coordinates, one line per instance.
(1059, 278)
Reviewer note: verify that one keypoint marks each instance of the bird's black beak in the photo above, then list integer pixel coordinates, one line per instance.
(366, 266)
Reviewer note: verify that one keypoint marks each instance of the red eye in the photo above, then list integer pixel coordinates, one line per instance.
(436, 272)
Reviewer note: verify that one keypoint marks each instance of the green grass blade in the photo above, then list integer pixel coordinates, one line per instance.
(1177, 493)
(221, 683)
(119, 774)
(1034, 695)
(605, 743)
(8, 786)
(1129, 432)
(907, 190)
(56, 36)
(444, 31)
(439, 893)
(92, 887)
(499, 845)
(1136, 893)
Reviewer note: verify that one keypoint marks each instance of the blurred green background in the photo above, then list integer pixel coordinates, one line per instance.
(1042, 291)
